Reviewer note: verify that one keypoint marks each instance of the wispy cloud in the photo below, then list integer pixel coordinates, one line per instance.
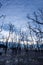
(16, 10)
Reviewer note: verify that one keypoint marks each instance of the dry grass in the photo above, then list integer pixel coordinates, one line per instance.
(23, 58)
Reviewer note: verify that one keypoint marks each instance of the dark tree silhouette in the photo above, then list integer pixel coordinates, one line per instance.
(37, 20)
(12, 29)
(2, 23)
(7, 38)
(0, 4)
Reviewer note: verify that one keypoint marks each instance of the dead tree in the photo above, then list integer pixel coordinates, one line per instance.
(7, 39)
(12, 29)
(24, 38)
(19, 42)
(31, 36)
(1, 4)
(1, 26)
(37, 29)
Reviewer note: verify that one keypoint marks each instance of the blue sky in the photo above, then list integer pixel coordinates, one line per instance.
(17, 10)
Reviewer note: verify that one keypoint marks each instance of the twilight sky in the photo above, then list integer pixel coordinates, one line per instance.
(17, 10)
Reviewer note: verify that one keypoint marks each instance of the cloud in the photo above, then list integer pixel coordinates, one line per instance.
(4, 33)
